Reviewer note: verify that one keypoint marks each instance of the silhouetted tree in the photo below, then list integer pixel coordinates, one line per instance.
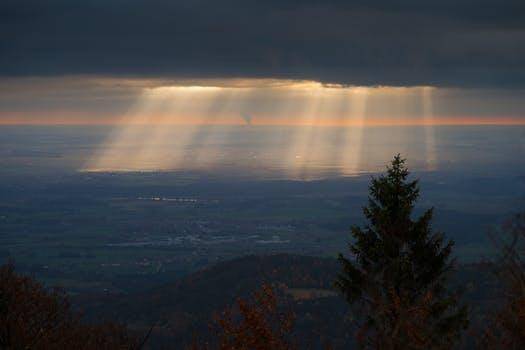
(396, 276)
(257, 325)
(32, 317)
(507, 329)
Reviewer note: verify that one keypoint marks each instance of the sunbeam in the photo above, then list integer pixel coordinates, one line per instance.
(300, 150)
(350, 157)
(192, 126)
(428, 119)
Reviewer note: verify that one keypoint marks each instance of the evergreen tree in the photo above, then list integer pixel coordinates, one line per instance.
(397, 274)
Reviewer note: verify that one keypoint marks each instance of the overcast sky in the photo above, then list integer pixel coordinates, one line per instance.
(476, 47)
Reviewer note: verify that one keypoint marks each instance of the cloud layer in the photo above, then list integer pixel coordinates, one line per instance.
(88, 100)
(451, 43)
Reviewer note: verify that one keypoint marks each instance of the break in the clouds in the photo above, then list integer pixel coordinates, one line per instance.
(101, 100)
(450, 43)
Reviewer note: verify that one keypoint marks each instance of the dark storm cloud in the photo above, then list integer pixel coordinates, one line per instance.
(446, 43)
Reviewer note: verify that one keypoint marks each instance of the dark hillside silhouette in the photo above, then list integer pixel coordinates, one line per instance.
(507, 329)
(32, 317)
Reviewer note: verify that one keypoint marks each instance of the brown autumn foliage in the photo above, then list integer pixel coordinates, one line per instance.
(405, 324)
(254, 325)
(33, 317)
(507, 329)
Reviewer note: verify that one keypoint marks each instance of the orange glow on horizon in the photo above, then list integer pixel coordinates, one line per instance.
(260, 102)
(261, 121)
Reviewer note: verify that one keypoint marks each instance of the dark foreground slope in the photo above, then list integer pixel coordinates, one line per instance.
(185, 308)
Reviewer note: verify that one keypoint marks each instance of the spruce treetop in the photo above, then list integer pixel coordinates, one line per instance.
(399, 266)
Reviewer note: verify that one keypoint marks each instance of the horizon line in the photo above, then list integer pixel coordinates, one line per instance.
(255, 123)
